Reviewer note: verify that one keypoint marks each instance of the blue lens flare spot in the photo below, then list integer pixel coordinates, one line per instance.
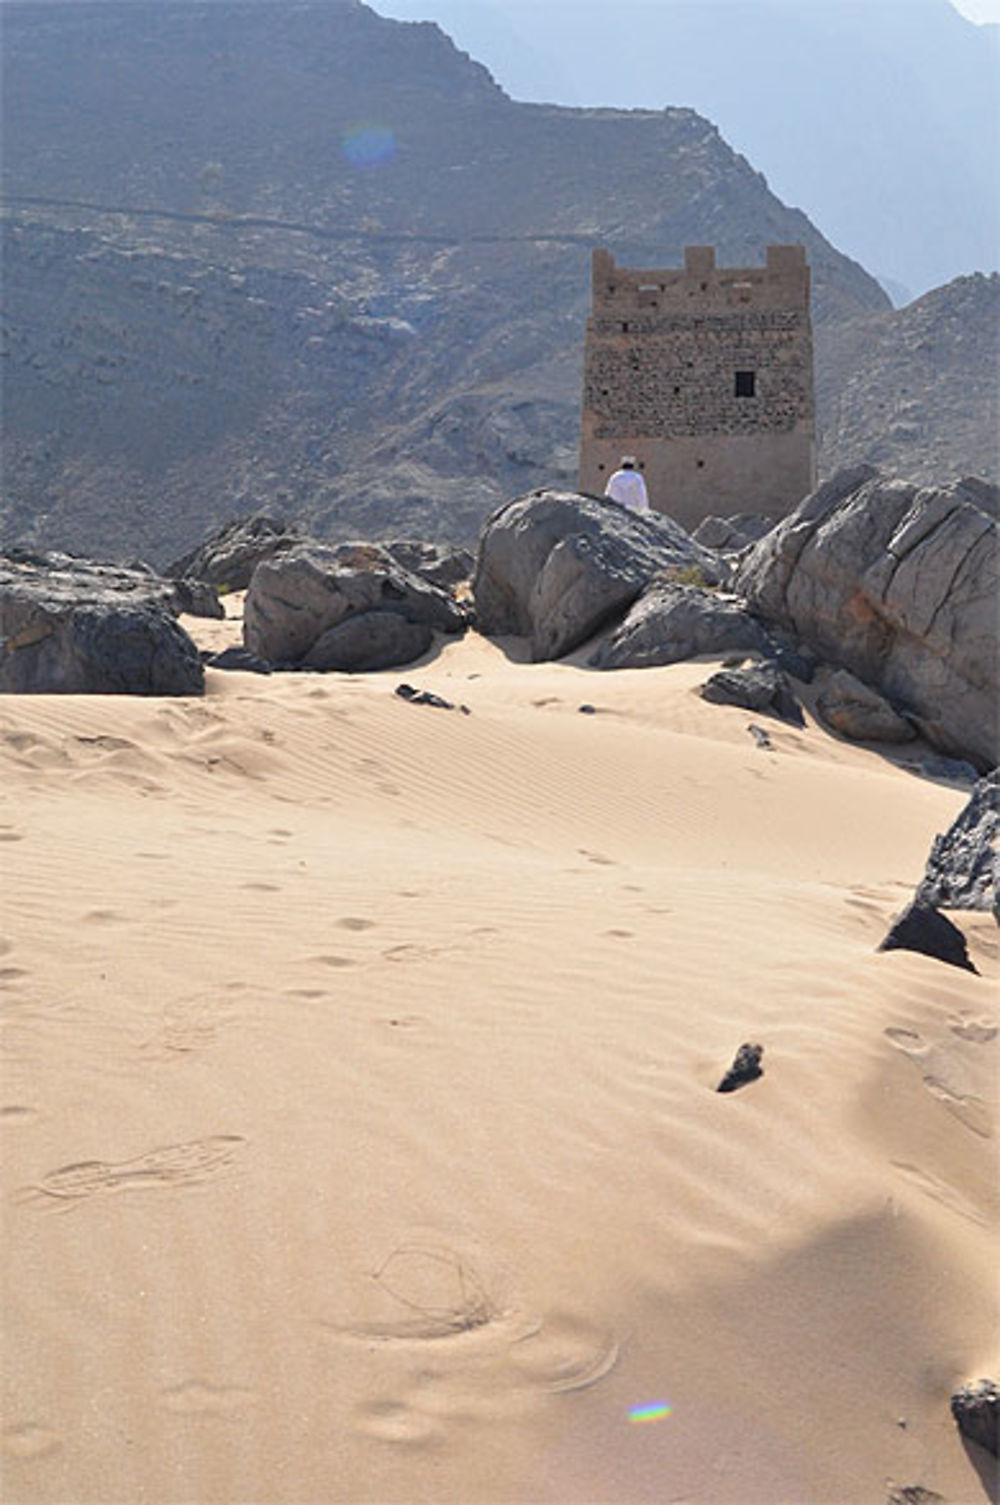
(655, 1412)
(368, 145)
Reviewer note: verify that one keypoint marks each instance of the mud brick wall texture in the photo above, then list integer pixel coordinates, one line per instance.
(706, 375)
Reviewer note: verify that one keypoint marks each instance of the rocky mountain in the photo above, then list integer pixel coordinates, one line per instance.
(916, 391)
(867, 115)
(305, 258)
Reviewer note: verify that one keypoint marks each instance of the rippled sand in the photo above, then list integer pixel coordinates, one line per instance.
(360, 1140)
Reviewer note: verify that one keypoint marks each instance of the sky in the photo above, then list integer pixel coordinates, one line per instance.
(979, 10)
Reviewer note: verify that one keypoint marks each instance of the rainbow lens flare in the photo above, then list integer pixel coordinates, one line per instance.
(368, 145)
(655, 1412)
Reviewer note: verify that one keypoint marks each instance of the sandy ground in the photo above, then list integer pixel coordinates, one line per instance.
(360, 1140)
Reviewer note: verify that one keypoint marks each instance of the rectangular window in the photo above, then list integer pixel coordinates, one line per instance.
(745, 383)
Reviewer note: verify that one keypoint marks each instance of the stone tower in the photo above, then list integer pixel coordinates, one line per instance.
(705, 375)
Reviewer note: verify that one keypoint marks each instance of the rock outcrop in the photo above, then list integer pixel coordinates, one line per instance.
(858, 712)
(963, 869)
(555, 566)
(350, 607)
(79, 628)
(229, 556)
(898, 584)
(670, 622)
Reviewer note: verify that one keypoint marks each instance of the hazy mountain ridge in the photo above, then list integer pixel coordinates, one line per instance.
(878, 118)
(265, 306)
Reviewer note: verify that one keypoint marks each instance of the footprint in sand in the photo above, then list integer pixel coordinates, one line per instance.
(170, 1165)
(190, 1024)
(194, 1398)
(981, 1030)
(396, 1421)
(30, 1441)
(10, 833)
(13, 1113)
(938, 1074)
(354, 922)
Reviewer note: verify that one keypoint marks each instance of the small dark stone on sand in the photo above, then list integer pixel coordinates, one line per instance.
(746, 1068)
(427, 697)
(587, 709)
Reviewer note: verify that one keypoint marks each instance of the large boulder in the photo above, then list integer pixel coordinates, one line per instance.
(103, 631)
(670, 622)
(297, 597)
(963, 869)
(228, 557)
(555, 566)
(898, 584)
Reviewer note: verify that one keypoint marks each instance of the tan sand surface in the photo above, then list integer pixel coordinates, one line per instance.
(360, 1141)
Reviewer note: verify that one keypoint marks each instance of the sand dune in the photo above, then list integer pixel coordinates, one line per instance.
(358, 1112)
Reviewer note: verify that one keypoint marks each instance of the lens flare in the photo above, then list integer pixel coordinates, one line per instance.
(368, 145)
(655, 1412)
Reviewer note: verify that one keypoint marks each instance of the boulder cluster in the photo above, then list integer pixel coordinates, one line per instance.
(881, 591)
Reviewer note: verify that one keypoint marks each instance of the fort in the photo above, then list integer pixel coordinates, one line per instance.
(705, 375)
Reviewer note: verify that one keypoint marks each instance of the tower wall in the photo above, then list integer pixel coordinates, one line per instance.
(705, 374)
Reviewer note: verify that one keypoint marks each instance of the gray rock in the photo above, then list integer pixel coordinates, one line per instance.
(75, 627)
(297, 596)
(963, 869)
(73, 577)
(555, 566)
(898, 584)
(746, 1068)
(759, 687)
(671, 622)
(922, 928)
(369, 640)
(912, 1494)
(732, 533)
(858, 712)
(229, 556)
(976, 1409)
(237, 658)
(441, 563)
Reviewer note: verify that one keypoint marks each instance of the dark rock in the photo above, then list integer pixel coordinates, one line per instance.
(760, 687)
(587, 709)
(428, 697)
(899, 585)
(73, 577)
(976, 1409)
(70, 626)
(229, 556)
(922, 928)
(299, 595)
(951, 770)
(746, 1068)
(964, 864)
(671, 622)
(912, 1494)
(369, 640)
(555, 566)
(98, 648)
(799, 665)
(442, 564)
(860, 713)
(760, 736)
(238, 658)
